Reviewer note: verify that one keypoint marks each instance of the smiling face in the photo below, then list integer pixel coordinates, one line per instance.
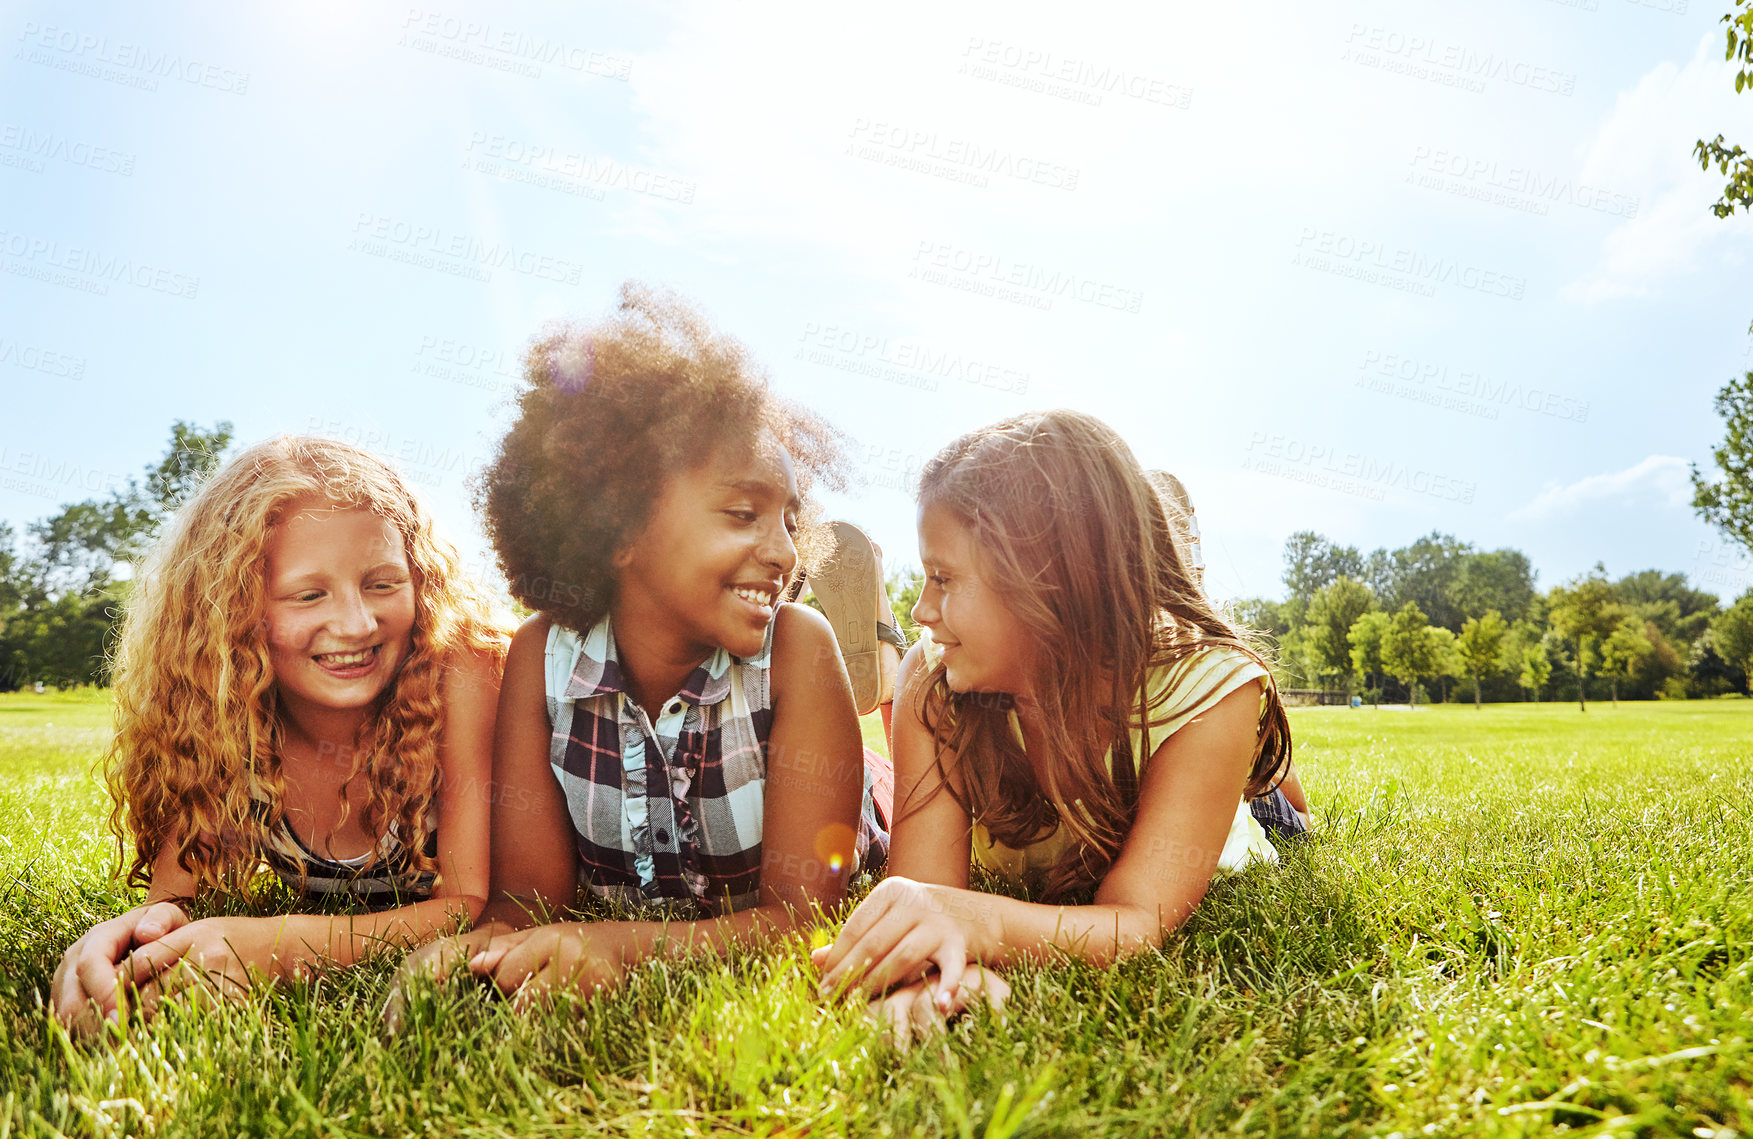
(986, 649)
(340, 606)
(718, 549)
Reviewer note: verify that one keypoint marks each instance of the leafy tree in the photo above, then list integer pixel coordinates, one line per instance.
(1678, 610)
(1536, 669)
(11, 584)
(1726, 502)
(1299, 660)
(59, 602)
(1481, 644)
(1408, 649)
(904, 587)
(1449, 663)
(1312, 562)
(192, 456)
(1365, 637)
(1274, 618)
(1655, 672)
(1426, 573)
(1709, 673)
(1586, 611)
(1734, 633)
(82, 545)
(1623, 650)
(1334, 609)
(1501, 580)
(1378, 574)
(1733, 161)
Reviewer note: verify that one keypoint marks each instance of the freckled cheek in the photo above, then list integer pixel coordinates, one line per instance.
(285, 637)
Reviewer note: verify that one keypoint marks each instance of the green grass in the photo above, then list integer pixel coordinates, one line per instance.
(1511, 922)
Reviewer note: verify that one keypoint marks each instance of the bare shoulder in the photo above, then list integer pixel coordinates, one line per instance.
(803, 645)
(796, 625)
(473, 670)
(531, 637)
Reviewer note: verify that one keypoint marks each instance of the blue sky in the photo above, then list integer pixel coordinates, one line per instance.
(1367, 268)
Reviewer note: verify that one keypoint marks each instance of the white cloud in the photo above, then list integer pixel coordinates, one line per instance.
(1667, 476)
(1645, 146)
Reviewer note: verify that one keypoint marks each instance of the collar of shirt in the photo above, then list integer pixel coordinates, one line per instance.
(598, 671)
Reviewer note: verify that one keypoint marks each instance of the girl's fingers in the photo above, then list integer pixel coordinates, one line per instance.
(862, 955)
(180, 978)
(486, 962)
(95, 980)
(952, 962)
(543, 976)
(892, 1014)
(516, 964)
(906, 961)
(153, 958)
(923, 1015)
(985, 985)
(866, 917)
(159, 919)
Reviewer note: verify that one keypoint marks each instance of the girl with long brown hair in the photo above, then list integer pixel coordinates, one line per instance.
(307, 680)
(1080, 722)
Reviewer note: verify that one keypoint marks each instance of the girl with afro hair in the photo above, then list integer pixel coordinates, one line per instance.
(671, 732)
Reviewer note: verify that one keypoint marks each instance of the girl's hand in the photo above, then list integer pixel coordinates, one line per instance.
(911, 1012)
(438, 961)
(86, 976)
(902, 929)
(533, 962)
(223, 955)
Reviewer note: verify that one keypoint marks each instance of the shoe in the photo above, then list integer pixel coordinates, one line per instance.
(845, 588)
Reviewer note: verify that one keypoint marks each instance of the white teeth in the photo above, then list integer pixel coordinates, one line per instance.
(757, 596)
(345, 660)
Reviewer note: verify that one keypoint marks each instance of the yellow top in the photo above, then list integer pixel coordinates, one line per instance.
(1179, 693)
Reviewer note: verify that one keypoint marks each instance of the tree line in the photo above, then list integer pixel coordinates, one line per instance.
(1439, 613)
(62, 582)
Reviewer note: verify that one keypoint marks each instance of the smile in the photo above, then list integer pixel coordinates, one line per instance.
(344, 662)
(755, 596)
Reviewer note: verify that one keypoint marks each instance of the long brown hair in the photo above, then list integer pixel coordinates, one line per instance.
(198, 731)
(1074, 538)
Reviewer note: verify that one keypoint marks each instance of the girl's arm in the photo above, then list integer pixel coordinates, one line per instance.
(1187, 802)
(228, 948)
(815, 782)
(1294, 794)
(931, 839)
(930, 845)
(534, 868)
(535, 865)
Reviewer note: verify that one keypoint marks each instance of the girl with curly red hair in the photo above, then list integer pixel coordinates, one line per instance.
(307, 680)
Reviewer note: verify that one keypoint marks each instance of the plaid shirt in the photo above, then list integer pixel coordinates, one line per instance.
(670, 810)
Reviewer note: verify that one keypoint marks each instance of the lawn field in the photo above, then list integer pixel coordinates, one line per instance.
(1509, 922)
